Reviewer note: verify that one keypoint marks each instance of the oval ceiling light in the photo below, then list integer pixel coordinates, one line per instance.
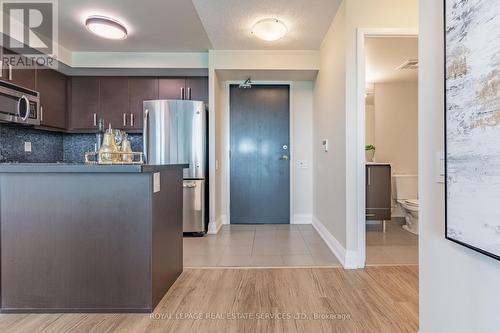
(269, 29)
(106, 27)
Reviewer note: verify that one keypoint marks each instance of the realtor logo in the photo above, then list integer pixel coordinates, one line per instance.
(29, 29)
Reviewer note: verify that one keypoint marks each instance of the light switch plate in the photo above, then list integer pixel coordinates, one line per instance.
(27, 147)
(325, 145)
(156, 182)
(303, 164)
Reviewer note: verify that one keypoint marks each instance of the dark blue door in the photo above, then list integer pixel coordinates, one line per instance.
(260, 154)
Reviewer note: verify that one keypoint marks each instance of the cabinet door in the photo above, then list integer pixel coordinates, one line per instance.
(197, 89)
(114, 102)
(141, 89)
(52, 88)
(84, 102)
(378, 191)
(17, 74)
(172, 88)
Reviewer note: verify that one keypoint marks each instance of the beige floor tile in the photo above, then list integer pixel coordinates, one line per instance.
(229, 260)
(200, 261)
(326, 259)
(240, 250)
(298, 260)
(266, 261)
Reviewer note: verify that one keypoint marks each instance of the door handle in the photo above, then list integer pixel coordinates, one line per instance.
(124, 119)
(369, 176)
(10, 72)
(132, 119)
(284, 158)
(182, 93)
(145, 135)
(190, 185)
(189, 93)
(95, 119)
(41, 113)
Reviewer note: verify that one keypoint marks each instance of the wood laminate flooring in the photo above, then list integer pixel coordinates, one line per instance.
(376, 299)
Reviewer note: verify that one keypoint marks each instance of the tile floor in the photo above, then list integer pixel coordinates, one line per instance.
(395, 246)
(259, 246)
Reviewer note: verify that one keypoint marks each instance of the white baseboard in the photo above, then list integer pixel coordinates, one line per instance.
(348, 259)
(214, 227)
(302, 219)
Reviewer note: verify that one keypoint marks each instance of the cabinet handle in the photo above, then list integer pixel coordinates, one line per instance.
(189, 93)
(95, 119)
(369, 176)
(124, 119)
(132, 119)
(41, 113)
(182, 93)
(10, 72)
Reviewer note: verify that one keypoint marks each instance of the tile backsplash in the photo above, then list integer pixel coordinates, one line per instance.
(49, 147)
(76, 145)
(46, 147)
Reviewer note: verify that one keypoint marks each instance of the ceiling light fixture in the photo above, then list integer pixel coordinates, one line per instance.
(106, 27)
(269, 29)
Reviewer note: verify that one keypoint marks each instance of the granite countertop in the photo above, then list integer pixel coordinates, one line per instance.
(83, 168)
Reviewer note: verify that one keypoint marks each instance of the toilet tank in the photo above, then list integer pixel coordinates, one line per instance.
(405, 187)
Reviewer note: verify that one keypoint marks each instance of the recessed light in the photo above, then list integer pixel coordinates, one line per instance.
(106, 27)
(269, 29)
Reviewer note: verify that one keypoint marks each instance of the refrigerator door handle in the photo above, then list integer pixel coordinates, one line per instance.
(145, 136)
(190, 185)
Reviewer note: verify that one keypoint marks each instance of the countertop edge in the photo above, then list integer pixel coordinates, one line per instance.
(84, 168)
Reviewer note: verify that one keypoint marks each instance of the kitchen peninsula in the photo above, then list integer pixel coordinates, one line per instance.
(89, 238)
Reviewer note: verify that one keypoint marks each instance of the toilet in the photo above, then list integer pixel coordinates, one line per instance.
(406, 196)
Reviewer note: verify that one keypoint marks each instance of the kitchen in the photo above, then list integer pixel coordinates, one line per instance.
(68, 139)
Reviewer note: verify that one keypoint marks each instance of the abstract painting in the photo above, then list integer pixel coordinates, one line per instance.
(472, 64)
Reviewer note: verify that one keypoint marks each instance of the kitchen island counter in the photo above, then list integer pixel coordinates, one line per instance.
(89, 238)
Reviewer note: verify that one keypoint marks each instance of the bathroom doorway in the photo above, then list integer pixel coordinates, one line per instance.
(391, 149)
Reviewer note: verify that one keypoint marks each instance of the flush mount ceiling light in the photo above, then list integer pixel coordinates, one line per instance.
(106, 27)
(269, 29)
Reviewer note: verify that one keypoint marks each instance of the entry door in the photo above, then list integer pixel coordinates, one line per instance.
(260, 154)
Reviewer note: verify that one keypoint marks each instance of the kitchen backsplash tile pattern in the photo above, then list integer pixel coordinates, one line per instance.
(76, 145)
(46, 147)
(49, 147)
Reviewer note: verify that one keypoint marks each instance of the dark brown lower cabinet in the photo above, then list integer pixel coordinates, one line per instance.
(378, 192)
(112, 243)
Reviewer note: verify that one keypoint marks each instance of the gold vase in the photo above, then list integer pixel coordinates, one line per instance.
(109, 149)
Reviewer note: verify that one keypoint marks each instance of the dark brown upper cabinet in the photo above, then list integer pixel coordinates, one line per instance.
(17, 73)
(114, 102)
(84, 95)
(172, 88)
(141, 89)
(197, 89)
(53, 97)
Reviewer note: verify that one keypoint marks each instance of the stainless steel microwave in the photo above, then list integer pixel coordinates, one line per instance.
(19, 105)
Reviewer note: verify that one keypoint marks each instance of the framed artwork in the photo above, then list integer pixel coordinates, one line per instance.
(472, 120)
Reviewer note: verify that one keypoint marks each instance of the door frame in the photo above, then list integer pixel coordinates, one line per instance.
(360, 128)
(226, 172)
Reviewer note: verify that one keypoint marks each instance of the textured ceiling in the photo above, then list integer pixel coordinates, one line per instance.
(228, 22)
(154, 25)
(385, 54)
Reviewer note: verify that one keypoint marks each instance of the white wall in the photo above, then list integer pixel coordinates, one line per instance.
(336, 173)
(459, 290)
(329, 123)
(301, 135)
(396, 125)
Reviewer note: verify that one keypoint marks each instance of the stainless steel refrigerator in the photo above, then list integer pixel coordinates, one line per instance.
(175, 132)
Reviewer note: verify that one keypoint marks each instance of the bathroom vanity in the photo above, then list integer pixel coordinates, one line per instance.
(378, 192)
